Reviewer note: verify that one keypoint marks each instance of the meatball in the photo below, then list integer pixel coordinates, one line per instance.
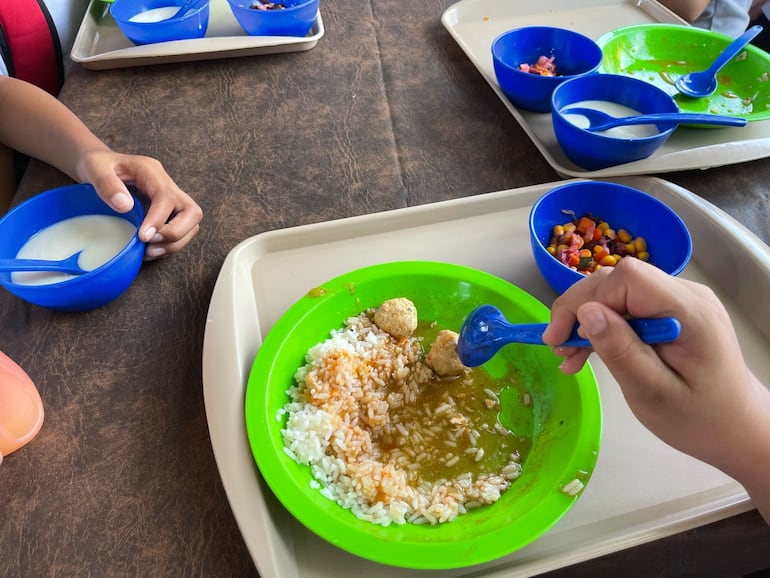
(397, 316)
(442, 357)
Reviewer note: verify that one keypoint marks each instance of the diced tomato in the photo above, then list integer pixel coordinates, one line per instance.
(588, 243)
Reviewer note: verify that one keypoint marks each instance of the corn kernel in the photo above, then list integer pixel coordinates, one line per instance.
(558, 231)
(608, 261)
(640, 244)
(603, 226)
(585, 253)
(610, 234)
(624, 235)
(643, 255)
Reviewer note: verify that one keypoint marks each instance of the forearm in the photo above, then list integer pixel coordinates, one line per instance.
(748, 460)
(36, 124)
(688, 10)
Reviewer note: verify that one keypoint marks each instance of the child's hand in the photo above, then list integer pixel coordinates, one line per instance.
(696, 393)
(173, 217)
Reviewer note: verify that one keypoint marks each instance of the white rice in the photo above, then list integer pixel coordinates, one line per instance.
(353, 417)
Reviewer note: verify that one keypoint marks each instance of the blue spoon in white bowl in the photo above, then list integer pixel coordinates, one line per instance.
(486, 330)
(599, 120)
(68, 265)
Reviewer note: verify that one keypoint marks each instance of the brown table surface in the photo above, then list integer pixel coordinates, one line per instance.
(385, 112)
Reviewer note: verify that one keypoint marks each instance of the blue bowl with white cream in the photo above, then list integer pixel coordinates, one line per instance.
(58, 223)
(152, 21)
(619, 96)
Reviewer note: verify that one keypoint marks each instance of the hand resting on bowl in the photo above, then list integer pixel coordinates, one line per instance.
(34, 123)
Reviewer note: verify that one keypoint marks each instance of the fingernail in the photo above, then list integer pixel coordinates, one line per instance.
(155, 252)
(593, 322)
(156, 238)
(149, 234)
(122, 201)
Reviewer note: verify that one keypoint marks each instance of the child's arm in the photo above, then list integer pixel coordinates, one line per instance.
(36, 124)
(688, 10)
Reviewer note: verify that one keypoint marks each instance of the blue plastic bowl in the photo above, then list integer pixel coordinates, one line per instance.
(599, 150)
(192, 24)
(668, 240)
(89, 290)
(294, 20)
(574, 55)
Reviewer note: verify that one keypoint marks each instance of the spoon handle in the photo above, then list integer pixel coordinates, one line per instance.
(734, 48)
(679, 118)
(650, 330)
(68, 265)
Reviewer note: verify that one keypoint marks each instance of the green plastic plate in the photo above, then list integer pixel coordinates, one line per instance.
(661, 53)
(566, 432)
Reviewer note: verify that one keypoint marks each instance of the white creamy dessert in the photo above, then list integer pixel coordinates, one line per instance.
(99, 237)
(614, 109)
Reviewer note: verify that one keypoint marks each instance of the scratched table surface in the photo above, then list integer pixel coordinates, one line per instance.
(385, 112)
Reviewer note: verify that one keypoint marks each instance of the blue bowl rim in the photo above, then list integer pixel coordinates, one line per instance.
(562, 77)
(620, 78)
(617, 186)
(88, 274)
(300, 5)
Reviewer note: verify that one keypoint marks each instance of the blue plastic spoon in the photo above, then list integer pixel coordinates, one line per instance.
(704, 83)
(599, 120)
(183, 9)
(68, 265)
(486, 330)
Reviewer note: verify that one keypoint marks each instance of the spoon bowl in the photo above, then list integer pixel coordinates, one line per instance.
(704, 83)
(69, 265)
(600, 121)
(183, 9)
(486, 330)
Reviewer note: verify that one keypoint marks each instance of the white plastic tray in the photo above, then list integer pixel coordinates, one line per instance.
(100, 44)
(474, 24)
(641, 489)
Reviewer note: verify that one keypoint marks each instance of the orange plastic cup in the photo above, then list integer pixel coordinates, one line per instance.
(21, 409)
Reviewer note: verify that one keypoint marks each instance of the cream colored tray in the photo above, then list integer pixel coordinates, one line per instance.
(100, 44)
(641, 489)
(474, 24)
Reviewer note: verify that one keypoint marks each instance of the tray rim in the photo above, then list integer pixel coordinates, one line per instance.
(677, 160)
(731, 500)
(206, 48)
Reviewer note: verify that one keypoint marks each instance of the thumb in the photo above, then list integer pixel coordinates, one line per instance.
(114, 192)
(619, 347)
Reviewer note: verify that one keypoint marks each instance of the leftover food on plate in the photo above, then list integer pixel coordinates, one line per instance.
(397, 435)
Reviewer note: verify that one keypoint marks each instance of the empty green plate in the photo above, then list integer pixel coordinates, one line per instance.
(661, 53)
(565, 417)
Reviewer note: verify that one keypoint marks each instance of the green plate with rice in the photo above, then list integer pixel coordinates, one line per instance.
(561, 416)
